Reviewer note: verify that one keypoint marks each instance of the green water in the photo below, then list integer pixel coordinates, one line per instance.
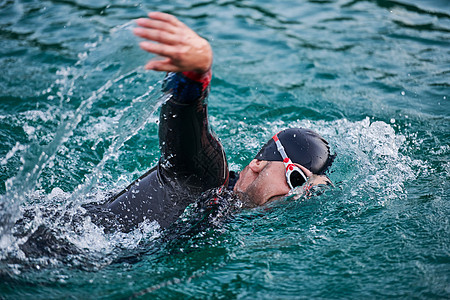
(78, 118)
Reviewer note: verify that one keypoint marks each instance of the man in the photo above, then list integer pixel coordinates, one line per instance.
(192, 159)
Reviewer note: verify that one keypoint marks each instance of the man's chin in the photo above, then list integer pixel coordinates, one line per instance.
(275, 198)
(246, 199)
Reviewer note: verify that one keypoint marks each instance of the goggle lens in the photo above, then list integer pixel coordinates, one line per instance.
(296, 179)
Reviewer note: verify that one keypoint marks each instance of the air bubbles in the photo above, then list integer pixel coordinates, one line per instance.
(371, 160)
(12, 152)
(57, 193)
(403, 93)
(82, 55)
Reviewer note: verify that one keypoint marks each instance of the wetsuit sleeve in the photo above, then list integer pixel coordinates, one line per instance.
(191, 155)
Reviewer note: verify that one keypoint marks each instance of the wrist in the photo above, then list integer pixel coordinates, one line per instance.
(204, 78)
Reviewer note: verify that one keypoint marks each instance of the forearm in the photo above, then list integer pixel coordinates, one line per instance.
(190, 153)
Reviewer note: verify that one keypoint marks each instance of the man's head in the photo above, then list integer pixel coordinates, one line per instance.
(296, 148)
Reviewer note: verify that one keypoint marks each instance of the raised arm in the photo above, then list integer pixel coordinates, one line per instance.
(190, 153)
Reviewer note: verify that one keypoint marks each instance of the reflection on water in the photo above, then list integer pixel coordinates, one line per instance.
(78, 120)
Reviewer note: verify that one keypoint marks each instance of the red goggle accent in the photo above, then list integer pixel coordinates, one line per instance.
(294, 175)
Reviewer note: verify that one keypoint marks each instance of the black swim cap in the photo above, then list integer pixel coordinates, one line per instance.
(302, 146)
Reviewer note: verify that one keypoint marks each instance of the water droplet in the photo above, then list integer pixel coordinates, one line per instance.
(403, 93)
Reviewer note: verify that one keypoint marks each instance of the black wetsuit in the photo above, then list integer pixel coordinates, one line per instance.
(192, 171)
(192, 159)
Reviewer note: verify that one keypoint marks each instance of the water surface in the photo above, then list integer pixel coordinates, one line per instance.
(78, 119)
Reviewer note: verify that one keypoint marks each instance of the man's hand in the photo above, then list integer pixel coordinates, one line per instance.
(179, 47)
(319, 180)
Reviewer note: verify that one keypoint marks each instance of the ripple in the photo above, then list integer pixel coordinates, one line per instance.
(78, 118)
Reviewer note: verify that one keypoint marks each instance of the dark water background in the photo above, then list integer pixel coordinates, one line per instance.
(78, 118)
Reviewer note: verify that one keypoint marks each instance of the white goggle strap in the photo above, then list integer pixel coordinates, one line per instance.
(280, 149)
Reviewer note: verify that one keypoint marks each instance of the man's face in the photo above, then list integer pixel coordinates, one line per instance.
(262, 181)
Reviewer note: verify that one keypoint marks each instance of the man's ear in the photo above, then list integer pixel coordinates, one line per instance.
(257, 165)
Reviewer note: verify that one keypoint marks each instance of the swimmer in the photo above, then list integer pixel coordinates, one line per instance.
(192, 159)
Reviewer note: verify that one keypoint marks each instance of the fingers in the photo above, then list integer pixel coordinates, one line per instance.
(181, 48)
(165, 18)
(162, 65)
(158, 49)
(154, 24)
(162, 28)
(156, 36)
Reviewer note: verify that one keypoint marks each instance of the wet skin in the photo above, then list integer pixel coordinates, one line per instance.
(263, 181)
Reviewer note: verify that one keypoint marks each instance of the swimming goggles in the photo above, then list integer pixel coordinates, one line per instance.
(294, 175)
